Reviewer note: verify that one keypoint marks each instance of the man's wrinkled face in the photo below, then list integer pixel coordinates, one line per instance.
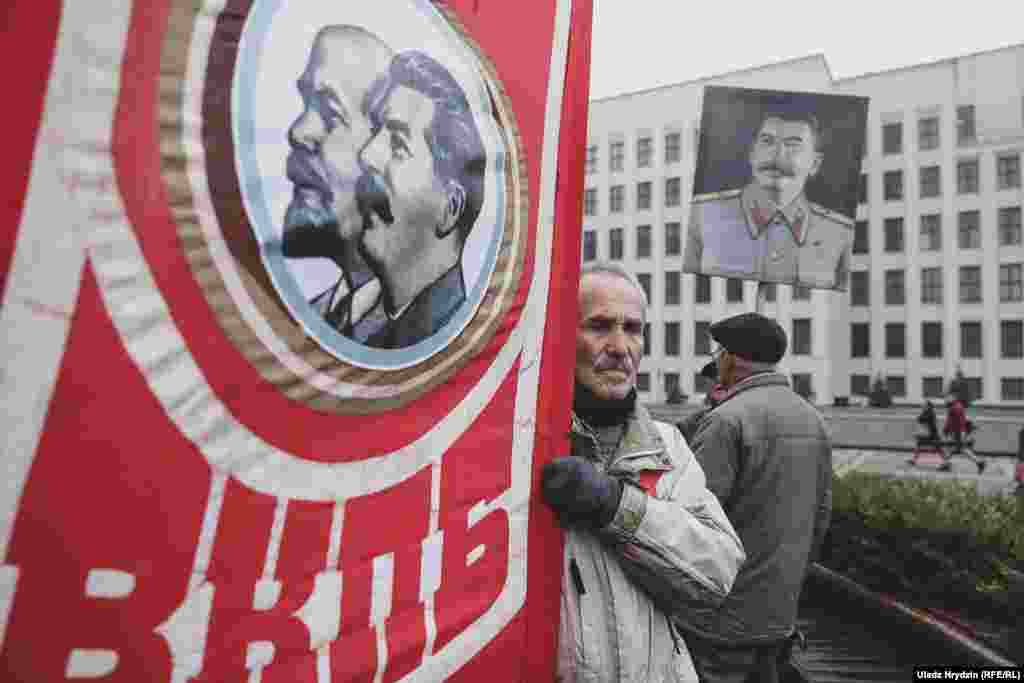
(609, 335)
(403, 201)
(783, 156)
(327, 135)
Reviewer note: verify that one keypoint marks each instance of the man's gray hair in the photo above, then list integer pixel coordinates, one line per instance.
(612, 268)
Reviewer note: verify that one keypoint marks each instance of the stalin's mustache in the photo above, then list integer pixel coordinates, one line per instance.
(371, 198)
(778, 168)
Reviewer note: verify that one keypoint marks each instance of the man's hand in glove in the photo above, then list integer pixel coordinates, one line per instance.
(579, 493)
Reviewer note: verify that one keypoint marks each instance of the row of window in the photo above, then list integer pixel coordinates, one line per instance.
(968, 179)
(969, 235)
(800, 338)
(969, 231)
(644, 153)
(929, 131)
(673, 239)
(644, 197)
(702, 289)
(1011, 388)
(1011, 340)
(1011, 285)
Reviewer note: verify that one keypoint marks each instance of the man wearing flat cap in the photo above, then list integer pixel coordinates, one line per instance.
(768, 457)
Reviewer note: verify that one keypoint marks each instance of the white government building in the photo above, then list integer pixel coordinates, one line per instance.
(936, 271)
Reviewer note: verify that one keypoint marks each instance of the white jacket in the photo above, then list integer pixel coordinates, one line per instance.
(669, 549)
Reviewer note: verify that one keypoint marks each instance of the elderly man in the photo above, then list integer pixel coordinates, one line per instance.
(420, 194)
(645, 539)
(322, 220)
(768, 458)
(769, 230)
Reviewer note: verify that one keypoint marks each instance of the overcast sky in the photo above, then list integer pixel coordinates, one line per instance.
(640, 44)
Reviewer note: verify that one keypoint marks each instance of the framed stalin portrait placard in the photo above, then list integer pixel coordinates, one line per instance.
(281, 309)
(775, 186)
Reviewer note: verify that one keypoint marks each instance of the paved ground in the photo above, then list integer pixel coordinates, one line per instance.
(997, 478)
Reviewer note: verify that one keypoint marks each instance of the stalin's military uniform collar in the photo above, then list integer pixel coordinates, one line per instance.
(761, 211)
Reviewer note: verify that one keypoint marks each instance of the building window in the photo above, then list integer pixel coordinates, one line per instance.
(931, 339)
(801, 336)
(672, 147)
(645, 284)
(643, 195)
(701, 384)
(644, 150)
(965, 129)
(673, 239)
(769, 289)
(895, 340)
(974, 387)
(643, 241)
(931, 181)
(970, 284)
(802, 384)
(1008, 171)
(589, 245)
(1009, 225)
(860, 237)
(801, 293)
(672, 339)
(897, 385)
(931, 387)
(671, 383)
(893, 234)
(616, 198)
(702, 289)
(617, 155)
(931, 286)
(643, 381)
(615, 246)
(1011, 338)
(1012, 388)
(931, 232)
(647, 339)
(967, 176)
(860, 288)
(733, 290)
(591, 163)
(970, 340)
(928, 133)
(862, 189)
(701, 338)
(673, 192)
(672, 287)
(1010, 285)
(892, 182)
(860, 385)
(892, 138)
(969, 234)
(590, 202)
(860, 340)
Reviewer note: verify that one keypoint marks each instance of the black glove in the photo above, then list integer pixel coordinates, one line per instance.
(579, 493)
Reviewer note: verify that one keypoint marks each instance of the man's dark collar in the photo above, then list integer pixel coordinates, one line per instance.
(602, 412)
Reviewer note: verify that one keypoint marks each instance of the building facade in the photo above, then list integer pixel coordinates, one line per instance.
(937, 269)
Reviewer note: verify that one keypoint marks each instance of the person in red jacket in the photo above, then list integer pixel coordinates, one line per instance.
(957, 427)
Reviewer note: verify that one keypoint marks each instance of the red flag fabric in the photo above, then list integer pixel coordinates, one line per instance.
(286, 288)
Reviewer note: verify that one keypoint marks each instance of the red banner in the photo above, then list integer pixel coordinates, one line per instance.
(283, 291)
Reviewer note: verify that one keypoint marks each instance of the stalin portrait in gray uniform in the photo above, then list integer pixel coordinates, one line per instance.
(769, 230)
